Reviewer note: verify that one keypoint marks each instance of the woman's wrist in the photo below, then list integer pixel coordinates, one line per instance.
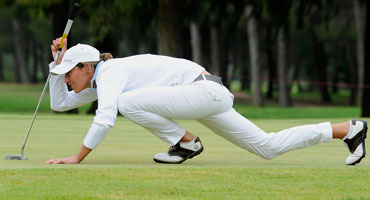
(84, 151)
(77, 159)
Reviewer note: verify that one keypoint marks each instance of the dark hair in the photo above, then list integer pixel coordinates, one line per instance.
(103, 57)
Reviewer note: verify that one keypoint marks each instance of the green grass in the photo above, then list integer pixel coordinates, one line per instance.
(23, 99)
(122, 167)
(20, 98)
(276, 112)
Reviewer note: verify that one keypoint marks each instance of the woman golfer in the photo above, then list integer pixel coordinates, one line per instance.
(151, 90)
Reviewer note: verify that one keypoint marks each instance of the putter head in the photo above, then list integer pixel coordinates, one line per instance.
(10, 157)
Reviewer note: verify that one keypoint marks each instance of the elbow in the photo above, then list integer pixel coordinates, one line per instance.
(58, 108)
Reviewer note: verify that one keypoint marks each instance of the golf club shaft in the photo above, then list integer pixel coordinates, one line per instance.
(38, 104)
(34, 114)
(65, 34)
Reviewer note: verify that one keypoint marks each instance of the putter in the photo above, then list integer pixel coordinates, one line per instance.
(75, 8)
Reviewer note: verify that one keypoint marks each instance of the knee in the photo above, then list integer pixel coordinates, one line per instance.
(268, 156)
(264, 152)
(268, 152)
(261, 145)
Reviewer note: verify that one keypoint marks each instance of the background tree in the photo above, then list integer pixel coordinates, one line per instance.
(312, 42)
(253, 12)
(197, 13)
(270, 50)
(279, 10)
(366, 89)
(359, 24)
(20, 45)
(169, 28)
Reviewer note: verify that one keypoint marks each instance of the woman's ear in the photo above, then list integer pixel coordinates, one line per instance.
(88, 68)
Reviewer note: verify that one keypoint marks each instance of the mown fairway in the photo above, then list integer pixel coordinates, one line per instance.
(122, 167)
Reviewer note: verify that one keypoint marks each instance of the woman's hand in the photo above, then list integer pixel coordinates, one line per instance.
(69, 160)
(84, 151)
(54, 49)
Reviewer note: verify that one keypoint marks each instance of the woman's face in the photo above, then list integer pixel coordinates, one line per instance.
(79, 78)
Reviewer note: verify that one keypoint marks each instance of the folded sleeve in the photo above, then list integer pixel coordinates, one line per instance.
(95, 135)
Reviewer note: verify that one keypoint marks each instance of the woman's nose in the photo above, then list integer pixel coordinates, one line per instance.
(66, 79)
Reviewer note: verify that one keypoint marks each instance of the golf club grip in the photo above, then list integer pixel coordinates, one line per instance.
(75, 8)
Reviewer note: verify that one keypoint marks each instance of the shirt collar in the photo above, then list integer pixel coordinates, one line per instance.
(95, 74)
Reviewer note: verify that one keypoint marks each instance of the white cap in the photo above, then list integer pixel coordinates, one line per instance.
(74, 55)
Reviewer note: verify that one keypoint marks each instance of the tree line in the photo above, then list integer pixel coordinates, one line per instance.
(269, 46)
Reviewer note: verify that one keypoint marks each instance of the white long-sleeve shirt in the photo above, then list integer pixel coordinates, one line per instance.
(115, 77)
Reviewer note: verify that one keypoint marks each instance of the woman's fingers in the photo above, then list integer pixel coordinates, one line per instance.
(55, 46)
(56, 43)
(68, 160)
(54, 161)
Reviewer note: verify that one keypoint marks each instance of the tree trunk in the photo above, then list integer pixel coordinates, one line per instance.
(45, 61)
(254, 52)
(321, 66)
(246, 77)
(132, 44)
(219, 51)
(168, 29)
(351, 70)
(334, 78)
(196, 43)
(271, 63)
(19, 46)
(215, 53)
(296, 74)
(245, 71)
(108, 44)
(59, 18)
(282, 64)
(35, 63)
(360, 46)
(17, 71)
(366, 90)
(1, 67)
(19, 52)
(240, 59)
(223, 59)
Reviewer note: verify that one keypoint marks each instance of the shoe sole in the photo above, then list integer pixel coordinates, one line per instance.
(179, 162)
(364, 135)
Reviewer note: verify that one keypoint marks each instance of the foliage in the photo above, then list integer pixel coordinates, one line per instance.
(131, 25)
(105, 16)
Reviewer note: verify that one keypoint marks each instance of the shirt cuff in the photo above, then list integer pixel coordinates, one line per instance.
(95, 135)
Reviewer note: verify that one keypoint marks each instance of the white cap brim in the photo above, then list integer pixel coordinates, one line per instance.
(63, 68)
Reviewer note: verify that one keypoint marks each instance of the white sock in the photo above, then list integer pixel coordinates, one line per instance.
(188, 145)
(350, 130)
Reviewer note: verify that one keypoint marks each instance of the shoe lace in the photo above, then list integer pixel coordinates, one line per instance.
(172, 148)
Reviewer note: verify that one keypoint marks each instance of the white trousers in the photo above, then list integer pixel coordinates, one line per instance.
(211, 104)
